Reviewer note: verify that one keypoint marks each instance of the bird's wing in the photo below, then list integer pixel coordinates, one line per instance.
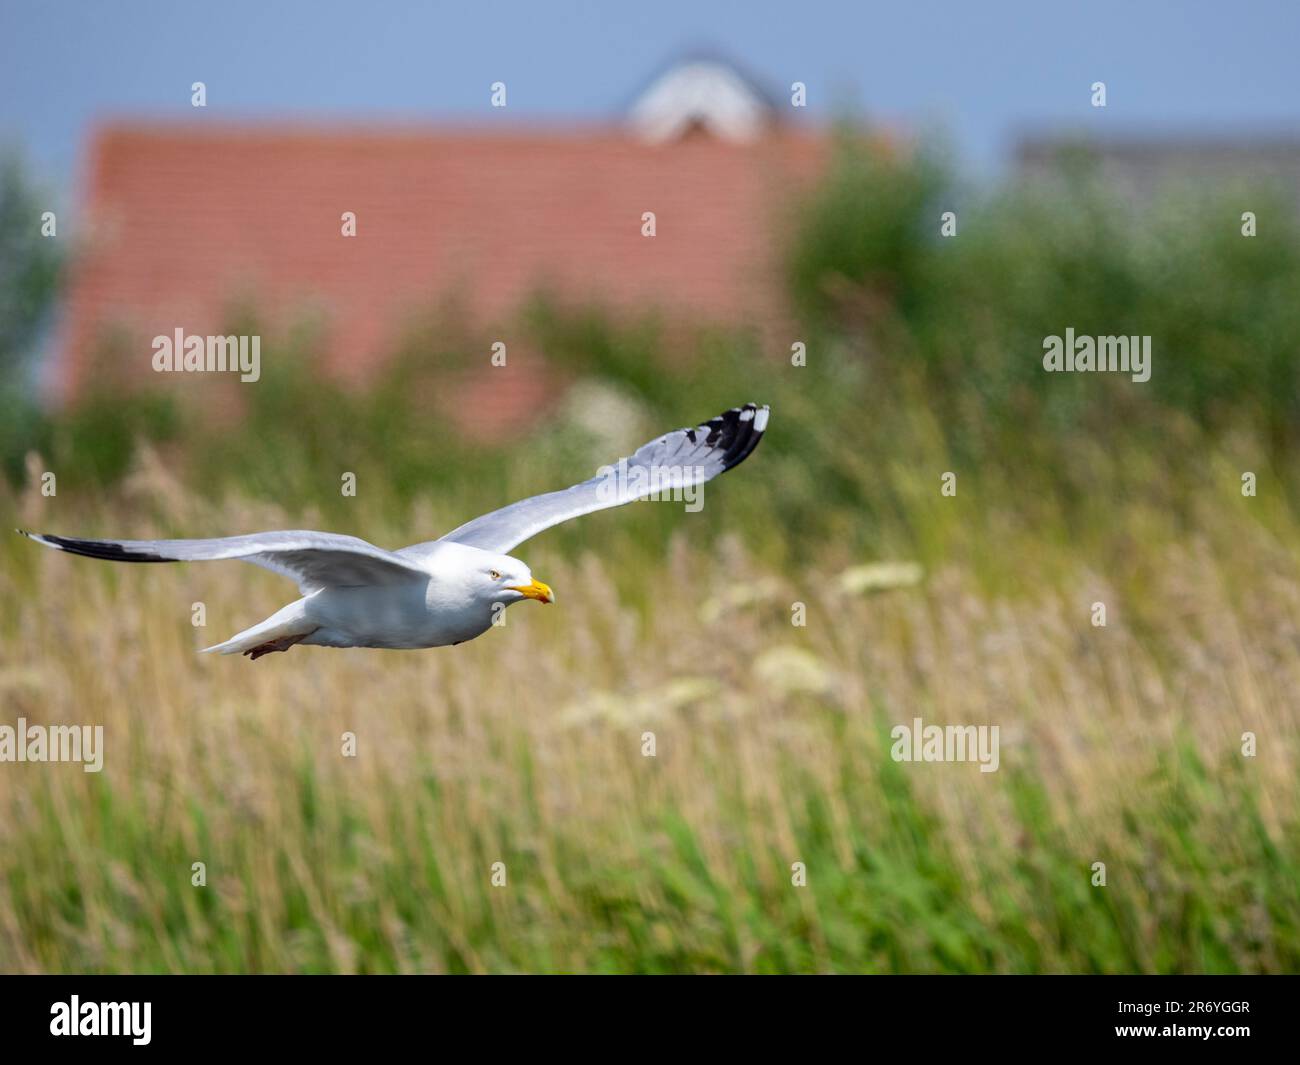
(314, 559)
(678, 459)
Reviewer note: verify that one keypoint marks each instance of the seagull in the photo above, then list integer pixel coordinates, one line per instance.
(443, 591)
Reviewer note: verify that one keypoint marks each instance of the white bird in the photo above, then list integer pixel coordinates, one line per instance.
(443, 591)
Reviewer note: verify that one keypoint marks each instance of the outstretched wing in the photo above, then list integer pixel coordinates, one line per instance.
(675, 460)
(314, 559)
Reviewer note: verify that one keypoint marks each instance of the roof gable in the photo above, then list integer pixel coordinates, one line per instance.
(702, 94)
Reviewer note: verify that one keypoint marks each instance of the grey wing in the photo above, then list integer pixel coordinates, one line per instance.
(314, 559)
(675, 460)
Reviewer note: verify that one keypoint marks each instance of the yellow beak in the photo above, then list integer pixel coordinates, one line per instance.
(537, 590)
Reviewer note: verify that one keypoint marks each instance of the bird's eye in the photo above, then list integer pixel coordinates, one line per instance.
(494, 575)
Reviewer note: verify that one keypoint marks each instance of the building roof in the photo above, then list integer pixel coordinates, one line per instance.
(187, 220)
(1144, 163)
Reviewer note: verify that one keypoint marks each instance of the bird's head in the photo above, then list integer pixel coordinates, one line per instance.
(507, 580)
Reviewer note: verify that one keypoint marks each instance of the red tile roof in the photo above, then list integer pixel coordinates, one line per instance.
(186, 220)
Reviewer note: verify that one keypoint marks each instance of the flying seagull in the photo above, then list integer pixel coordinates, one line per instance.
(443, 591)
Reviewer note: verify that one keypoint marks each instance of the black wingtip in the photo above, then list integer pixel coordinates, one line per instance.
(737, 432)
(103, 549)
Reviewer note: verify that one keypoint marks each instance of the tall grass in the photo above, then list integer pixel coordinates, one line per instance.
(1121, 744)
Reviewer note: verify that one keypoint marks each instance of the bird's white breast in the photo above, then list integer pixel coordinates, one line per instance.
(444, 609)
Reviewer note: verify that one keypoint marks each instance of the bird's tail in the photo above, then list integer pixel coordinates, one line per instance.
(283, 624)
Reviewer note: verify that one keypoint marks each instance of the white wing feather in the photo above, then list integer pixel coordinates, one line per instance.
(675, 460)
(318, 560)
(313, 559)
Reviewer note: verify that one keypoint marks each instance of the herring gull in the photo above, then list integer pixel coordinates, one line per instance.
(443, 591)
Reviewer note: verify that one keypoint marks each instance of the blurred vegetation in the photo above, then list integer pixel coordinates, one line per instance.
(924, 356)
(904, 328)
(30, 266)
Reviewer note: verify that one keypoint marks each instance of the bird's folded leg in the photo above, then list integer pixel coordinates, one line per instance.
(281, 644)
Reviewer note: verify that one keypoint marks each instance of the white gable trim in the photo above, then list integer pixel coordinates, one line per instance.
(703, 93)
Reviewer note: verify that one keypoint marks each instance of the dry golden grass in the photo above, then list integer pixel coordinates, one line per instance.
(1119, 744)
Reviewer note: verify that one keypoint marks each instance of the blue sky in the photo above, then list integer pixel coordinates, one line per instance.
(981, 71)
